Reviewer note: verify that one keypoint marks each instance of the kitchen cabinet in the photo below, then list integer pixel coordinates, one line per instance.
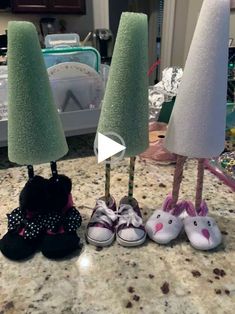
(67, 6)
(5, 5)
(49, 6)
(29, 6)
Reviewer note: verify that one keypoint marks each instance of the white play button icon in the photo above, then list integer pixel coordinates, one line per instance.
(107, 147)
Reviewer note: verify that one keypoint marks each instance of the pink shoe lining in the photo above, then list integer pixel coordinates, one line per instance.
(69, 204)
(29, 215)
(64, 210)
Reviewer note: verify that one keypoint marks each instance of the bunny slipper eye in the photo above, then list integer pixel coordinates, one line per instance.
(170, 221)
(158, 216)
(209, 223)
(195, 223)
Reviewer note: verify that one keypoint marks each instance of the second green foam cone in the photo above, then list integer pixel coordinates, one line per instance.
(35, 133)
(125, 106)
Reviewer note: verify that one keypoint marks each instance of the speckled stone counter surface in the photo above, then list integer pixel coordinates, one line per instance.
(148, 279)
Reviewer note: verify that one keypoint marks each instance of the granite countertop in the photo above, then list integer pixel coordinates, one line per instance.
(149, 279)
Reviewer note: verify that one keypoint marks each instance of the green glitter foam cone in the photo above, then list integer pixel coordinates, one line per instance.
(125, 105)
(35, 133)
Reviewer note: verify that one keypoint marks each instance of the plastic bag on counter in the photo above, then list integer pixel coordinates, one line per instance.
(224, 168)
(169, 85)
(156, 153)
(164, 91)
(155, 103)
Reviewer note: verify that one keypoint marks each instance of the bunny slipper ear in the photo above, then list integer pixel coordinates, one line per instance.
(166, 207)
(179, 208)
(203, 210)
(190, 209)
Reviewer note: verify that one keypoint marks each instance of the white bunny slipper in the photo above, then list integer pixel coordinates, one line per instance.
(202, 231)
(165, 224)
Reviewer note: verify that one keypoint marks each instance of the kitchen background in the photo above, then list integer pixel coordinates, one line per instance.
(87, 20)
(185, 18)
(171, 27)
(186, 15)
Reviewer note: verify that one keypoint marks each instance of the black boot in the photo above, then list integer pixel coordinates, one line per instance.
(25, 223)
(63, 220)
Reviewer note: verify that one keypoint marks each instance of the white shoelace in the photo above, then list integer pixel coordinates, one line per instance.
(129, 216)
(103, 213)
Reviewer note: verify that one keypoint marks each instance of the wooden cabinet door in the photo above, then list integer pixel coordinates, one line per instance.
(68, 6)
(31, 6)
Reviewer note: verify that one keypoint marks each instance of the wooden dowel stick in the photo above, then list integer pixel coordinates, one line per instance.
(131, 177)
(107, 179)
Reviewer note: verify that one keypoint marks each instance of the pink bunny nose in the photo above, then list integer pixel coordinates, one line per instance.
(206, 233)
(158, 227)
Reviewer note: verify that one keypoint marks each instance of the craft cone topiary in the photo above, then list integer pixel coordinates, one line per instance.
(125, 106)
(197, 125)
(35, 133)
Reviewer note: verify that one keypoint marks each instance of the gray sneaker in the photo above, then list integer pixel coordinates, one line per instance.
(101, 227)
(130, 229)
